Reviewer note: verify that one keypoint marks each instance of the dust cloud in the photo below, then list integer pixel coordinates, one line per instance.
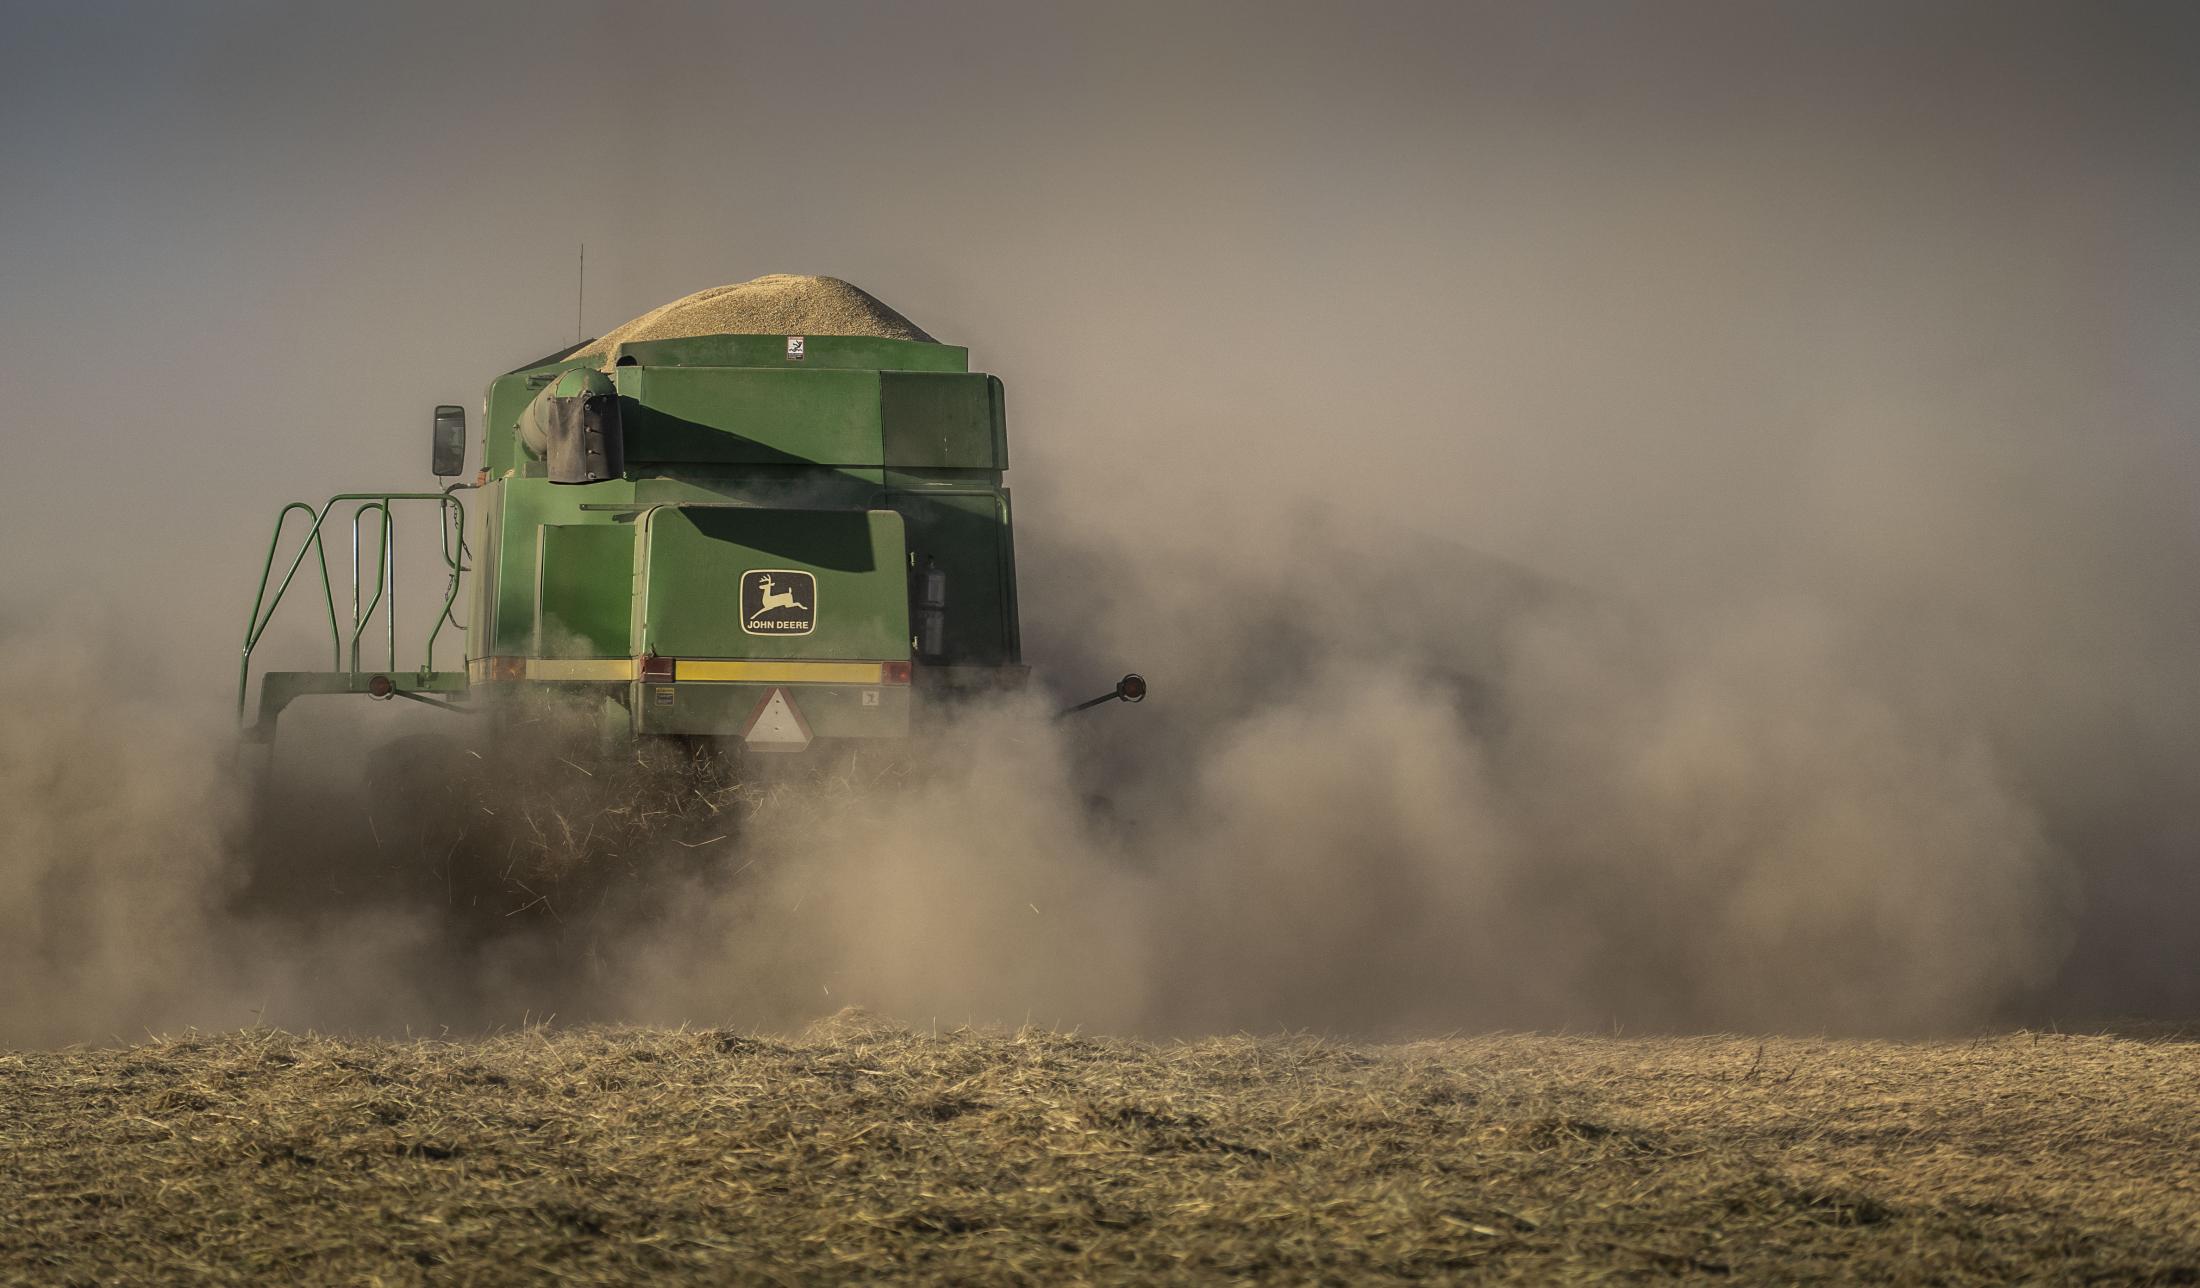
(1532, 812)
(131, 840)
(114, 813)
(1517, 804)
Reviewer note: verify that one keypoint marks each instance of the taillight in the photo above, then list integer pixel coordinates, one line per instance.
(658, 669)
(503, 668)
(893, 672)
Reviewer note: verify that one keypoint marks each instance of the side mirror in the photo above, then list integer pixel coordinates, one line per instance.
(450, 442)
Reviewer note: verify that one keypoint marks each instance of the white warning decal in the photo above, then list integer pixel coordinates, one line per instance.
(777, 725)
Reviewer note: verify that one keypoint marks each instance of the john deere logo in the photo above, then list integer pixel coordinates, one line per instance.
(778, 601)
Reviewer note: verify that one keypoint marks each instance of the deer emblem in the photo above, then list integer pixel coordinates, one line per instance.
(774, 599)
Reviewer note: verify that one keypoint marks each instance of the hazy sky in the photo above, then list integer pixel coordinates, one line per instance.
(1538, 276)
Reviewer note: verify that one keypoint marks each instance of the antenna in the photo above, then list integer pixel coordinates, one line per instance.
(580, 297)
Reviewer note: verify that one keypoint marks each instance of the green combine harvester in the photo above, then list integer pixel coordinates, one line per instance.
(771, 515)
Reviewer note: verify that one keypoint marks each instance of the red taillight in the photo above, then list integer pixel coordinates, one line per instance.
(659, 669)
(893, 672)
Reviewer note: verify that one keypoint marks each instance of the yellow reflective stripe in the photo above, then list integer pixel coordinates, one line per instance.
(782, 672)
(590, 668)
(483, 670)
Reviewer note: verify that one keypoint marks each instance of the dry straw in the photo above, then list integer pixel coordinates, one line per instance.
(862, 1151)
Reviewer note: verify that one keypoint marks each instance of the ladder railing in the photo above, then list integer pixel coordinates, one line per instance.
(452, 516)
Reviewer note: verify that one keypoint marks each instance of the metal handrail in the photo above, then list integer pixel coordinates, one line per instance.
(385, 577)
(452, 513)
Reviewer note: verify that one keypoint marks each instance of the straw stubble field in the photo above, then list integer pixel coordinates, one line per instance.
(862, 1151)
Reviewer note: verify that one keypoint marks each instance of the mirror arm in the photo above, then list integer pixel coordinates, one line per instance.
(1131, 688)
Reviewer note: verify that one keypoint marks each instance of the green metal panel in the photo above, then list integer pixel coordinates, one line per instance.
(487, 551)
(964, 532)
(937, 421)
(693, 559)
(742, 416)
(731, 415)
(509, 394)
(511, 557)
(831, 710)
(1011, 610)
(585, 604)
(836, 488)
(506, 557)
(999, 400)
(278, 689)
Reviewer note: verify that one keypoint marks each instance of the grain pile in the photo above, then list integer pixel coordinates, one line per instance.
(863, 1151)
(776, 304)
